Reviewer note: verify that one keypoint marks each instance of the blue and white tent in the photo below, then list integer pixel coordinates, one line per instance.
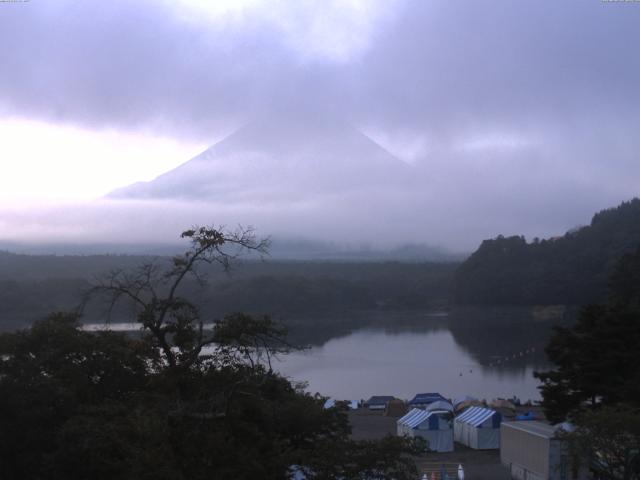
(424, 399)
(378, 402)
(478, 428)
(434, 427)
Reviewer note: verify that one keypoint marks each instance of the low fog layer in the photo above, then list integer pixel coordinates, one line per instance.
(378, 123)
(320, 182)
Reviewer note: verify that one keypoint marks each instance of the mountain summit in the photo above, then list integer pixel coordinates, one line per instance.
(270, 160)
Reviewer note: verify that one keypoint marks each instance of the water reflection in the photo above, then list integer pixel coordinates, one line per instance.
(483, 352)
(374, 362)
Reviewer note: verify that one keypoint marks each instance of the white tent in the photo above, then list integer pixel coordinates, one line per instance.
(464, 398)
(434, 427)
(439, 406)
(350, 404)
(478, 428)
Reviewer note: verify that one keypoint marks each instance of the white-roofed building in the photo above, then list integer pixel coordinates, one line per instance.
(478, 428)
(533, 451)
(435, 427)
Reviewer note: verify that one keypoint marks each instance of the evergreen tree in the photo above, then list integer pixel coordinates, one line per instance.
(596, 382)
(597, 359)
(572, 269)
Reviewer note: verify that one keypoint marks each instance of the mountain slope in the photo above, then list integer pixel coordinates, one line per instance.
(573, 269)
(276, 159)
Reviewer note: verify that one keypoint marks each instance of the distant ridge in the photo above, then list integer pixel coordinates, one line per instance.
(282, 249)
(287, 158)
(572, 269)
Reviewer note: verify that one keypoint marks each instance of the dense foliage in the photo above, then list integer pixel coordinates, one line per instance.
(609, 438)
(597, 359)
(572, 269)
(292, 291)
(177, 403)
(596, 382)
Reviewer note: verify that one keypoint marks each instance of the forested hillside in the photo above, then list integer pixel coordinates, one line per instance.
(33, 286)
(572, 269)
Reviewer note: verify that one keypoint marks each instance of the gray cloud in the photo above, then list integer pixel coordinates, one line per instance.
(123, 64)
(438, 66)
(527, 111)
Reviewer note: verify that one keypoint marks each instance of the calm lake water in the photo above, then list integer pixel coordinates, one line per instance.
(482, 352)
(376, 362)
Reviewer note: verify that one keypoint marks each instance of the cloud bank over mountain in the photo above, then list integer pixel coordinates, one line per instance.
(514, 117)
(276, 159)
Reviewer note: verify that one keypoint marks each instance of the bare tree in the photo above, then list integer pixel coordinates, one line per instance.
(243, 339)
(154, 290)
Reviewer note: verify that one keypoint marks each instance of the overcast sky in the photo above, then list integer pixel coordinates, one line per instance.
(524, 116)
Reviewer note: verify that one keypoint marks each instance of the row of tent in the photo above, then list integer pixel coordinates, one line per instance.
(395, 407)
(476, 427)
(422, 400)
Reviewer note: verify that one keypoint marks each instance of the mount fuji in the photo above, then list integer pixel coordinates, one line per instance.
(289, 158)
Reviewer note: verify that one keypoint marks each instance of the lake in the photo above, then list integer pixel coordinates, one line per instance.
(483, 352)
(375, 362)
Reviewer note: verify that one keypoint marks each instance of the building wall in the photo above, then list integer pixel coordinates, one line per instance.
(526, 454)
(520, 473)
(561, 465)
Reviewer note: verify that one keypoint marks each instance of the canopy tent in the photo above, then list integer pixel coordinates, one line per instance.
(459, 407)
(341, 404)
(395, 408)
(463, 398)
(439, 406)
(502, 403)
(378, 402)
(478, 428)
(424, 399)
(434, 427)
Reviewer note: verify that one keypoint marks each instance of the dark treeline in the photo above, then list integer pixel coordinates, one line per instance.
(176, 402)
(33, 286)
(22, 267)
(595, 379)
(571, 270)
